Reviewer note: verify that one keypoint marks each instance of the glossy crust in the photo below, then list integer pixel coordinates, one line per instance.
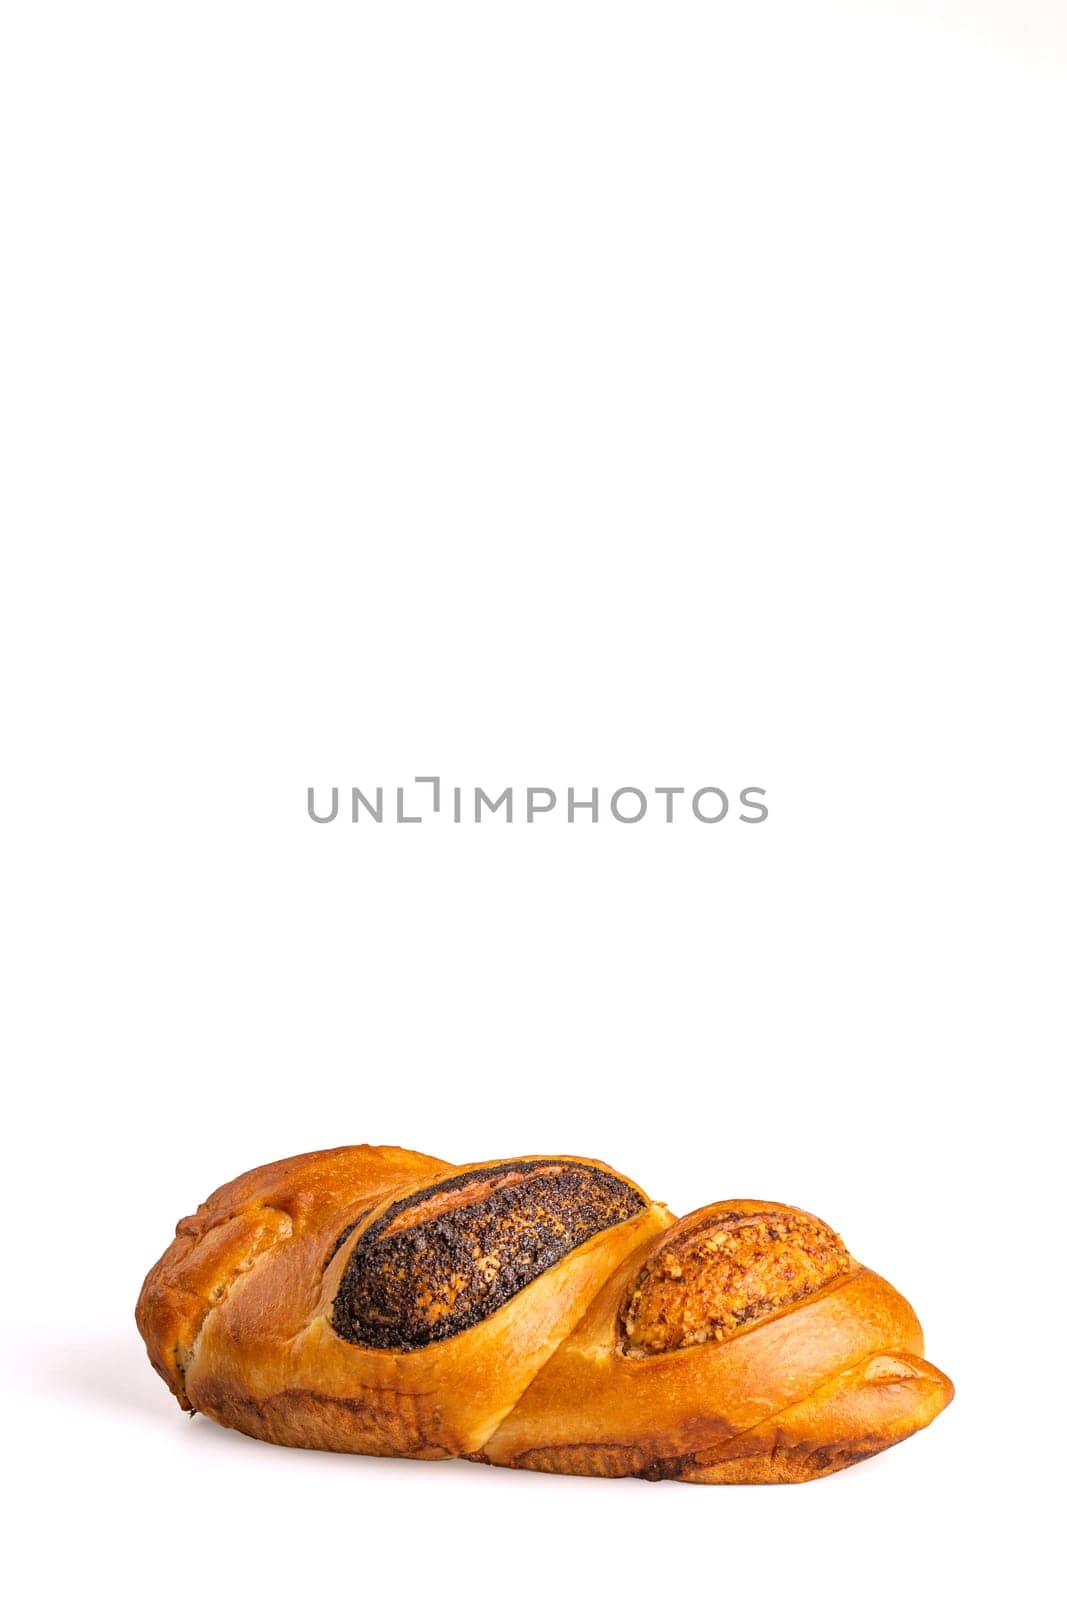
(537, 1313)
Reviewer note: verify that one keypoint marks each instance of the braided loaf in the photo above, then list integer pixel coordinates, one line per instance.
(540, 1313)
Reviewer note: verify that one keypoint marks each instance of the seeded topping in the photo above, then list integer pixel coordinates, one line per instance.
(730, 1271)
(446, 1258)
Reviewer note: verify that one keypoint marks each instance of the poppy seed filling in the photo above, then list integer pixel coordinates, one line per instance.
(445, 1258)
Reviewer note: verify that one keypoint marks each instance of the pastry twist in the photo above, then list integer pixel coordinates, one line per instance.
(540, 1313)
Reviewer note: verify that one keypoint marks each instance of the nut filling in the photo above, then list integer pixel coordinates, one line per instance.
(731, 1271)
(446, 1258)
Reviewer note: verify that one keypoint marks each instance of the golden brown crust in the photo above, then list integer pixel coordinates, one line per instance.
(853, 1415)
(537, 1313)
(240, 1222)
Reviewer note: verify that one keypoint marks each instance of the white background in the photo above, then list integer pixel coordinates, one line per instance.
(552, 394)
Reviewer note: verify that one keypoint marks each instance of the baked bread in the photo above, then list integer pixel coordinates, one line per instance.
(541, 1313)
